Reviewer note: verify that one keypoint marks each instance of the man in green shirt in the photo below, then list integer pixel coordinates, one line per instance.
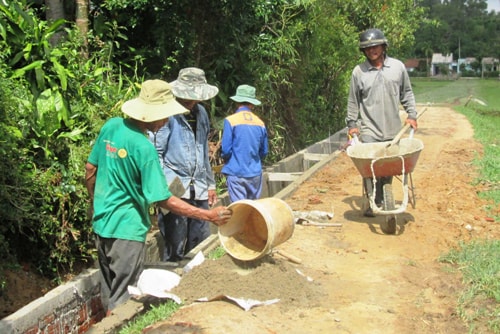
(124, 177)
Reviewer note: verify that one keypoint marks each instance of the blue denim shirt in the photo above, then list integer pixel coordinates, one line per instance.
(183, 155)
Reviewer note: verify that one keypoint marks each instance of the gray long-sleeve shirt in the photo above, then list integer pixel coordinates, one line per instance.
(375, 96)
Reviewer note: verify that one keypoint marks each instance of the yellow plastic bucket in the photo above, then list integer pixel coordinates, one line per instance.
(255, 227)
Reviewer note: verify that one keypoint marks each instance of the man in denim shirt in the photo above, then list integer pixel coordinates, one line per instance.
(182, 146)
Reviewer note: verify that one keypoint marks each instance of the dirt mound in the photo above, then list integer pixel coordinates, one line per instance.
(261, 280)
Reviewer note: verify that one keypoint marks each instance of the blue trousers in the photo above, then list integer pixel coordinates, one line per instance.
(243, 187)
(181, 234)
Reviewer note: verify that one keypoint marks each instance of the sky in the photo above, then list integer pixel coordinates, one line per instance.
(494, 5)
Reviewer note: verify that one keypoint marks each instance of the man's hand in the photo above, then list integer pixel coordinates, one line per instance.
(412, 122)
(212, 197)
(221, 215)
(353, 131)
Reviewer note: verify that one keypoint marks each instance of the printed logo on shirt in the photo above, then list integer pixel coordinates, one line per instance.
(110, 149)
(244, 118)
(248, 116)
(122, 153)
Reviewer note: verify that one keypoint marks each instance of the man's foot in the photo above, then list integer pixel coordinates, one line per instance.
(369, 213)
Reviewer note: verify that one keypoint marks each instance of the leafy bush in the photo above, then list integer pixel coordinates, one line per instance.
(56, 99)
(53, 102)
(42, 198)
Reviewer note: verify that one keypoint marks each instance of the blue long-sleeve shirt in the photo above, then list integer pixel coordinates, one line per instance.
(244, 143)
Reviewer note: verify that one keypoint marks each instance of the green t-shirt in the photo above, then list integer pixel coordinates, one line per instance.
(129, 180)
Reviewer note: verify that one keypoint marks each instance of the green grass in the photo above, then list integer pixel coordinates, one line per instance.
(457, 91)
(486, 124)
(152, 316)
(466, 96)
(478, 261)
(479, 303)
(217, 253)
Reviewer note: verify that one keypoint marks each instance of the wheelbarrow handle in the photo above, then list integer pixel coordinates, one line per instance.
(355, 139)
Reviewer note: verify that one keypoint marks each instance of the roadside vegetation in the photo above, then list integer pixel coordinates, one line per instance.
(477, 261)
(478, 100)
(156, 314)
(479, 303)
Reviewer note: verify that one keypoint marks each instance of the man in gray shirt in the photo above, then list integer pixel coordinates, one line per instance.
(378, 86)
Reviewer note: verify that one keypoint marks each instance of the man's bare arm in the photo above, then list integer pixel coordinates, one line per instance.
(218, 216)
(90, 177)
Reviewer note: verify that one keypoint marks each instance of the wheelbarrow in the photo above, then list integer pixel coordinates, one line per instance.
(374, 160)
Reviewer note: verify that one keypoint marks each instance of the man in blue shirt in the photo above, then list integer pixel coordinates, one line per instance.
(244, 145)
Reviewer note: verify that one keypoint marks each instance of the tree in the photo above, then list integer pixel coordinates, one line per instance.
(460, 27)
(82, 23)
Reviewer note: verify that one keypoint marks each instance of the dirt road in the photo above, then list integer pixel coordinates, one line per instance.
(360, 280)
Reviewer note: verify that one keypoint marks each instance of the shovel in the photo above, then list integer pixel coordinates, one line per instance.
(286, 255)
(393, 148)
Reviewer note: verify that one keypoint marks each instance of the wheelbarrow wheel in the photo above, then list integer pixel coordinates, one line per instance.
(389, 225)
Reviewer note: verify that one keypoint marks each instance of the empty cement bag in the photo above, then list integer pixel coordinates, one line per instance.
(255, 227)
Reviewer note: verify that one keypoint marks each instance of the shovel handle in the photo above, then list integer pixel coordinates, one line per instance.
(290, 257)
(403, 130)
(399, 135)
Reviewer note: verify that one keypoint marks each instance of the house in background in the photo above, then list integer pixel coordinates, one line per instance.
(411, 64)
(467, 63)
(490, 64)
(440, 62)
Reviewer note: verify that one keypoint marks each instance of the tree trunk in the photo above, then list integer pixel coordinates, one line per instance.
(55, 11)
(82, 23)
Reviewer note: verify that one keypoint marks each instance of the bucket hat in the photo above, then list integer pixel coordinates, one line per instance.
(191, 84)
(245, 93)
(155, 102)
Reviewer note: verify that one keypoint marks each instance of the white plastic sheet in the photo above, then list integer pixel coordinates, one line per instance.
(158, 283)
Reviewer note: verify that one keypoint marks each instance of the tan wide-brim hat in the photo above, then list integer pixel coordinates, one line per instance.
(155, 102)
(191, 84)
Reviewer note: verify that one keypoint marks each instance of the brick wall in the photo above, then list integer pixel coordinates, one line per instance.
(70, 308)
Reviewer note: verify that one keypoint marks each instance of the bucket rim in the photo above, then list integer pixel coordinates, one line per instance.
(267, 217)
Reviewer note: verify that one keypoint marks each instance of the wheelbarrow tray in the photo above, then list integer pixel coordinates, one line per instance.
(403, 155)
